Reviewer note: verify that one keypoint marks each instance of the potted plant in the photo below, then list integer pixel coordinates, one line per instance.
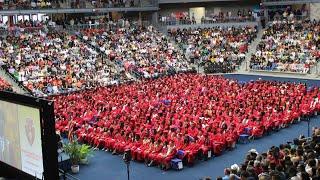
(85, 152)
(73, 150)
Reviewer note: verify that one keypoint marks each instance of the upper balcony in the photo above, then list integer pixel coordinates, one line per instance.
(287, 2)
(9, 7)
(190, 1)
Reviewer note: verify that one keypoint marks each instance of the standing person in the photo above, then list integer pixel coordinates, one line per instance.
(263, 21)
(193, 19)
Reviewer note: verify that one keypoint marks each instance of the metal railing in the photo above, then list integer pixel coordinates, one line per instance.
(278, 0)
(66, 176)
(287, 2)
(4, 31)
(207, 20)
(295, 17)
(82, 4)
(313, 69)
(79, 27)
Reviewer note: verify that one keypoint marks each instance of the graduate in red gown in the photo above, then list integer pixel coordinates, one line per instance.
(156, 149)
(169, 153)
(208, 113)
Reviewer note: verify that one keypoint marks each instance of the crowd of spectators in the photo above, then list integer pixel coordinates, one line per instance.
(191, 114)
(103, 3)
(55, 62)
(220, 49)
(297, 160)
(26, 4)
(289, 13)
(21, 25)
(288, 46)
(46, 4)
(4, 85)
(221, 17)
(139, 49)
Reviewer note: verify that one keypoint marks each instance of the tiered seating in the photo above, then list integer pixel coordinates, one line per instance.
(186, 116)
(288, 46)
(292, 160)
(142, 50)
(26, 4)
(4, 85)
(46, 4)
(51, 63)
(221, 49)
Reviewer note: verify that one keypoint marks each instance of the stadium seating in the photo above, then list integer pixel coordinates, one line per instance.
(292, 160)
(167, 83)
(46, 4)
(55, 62)
(190, 113)
(141, 50)
(220, 49)
(289, 46)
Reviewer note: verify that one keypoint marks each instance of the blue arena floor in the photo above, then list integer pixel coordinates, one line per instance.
(104, 166)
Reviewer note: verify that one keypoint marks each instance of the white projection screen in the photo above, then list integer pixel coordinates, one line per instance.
(20, 138)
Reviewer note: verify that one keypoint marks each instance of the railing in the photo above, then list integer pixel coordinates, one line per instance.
(79, 27)
(15, 29)
(278, 0)
(285, 71)
(66, 176)
(295, 17)
(287, 2)
(97, 49)
(82, 4)
(207, 20)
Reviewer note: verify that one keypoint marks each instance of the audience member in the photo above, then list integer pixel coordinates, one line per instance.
(288, 46)
(5, 86)
(55, 62)
(140, 49)
(220, 49)
(293, 160)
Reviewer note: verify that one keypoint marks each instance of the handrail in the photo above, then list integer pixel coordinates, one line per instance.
(207, 20)
(295, 17)
(279, 72)
(80, 10)
(67, 175)
(104, 56)
(73, 5)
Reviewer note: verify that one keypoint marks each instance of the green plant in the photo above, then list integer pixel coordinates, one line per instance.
(85, 151)
(73, 149)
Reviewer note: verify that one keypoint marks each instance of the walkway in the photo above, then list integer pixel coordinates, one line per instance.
(244, 67)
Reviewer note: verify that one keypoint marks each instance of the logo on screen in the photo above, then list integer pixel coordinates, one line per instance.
(29, 129)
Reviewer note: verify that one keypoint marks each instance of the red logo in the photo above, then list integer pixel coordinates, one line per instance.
(30, 132)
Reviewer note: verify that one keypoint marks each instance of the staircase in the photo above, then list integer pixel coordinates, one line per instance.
(245, 65)
(16, 86)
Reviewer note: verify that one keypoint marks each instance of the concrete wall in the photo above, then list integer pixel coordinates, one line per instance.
(195, 26)
(315, 11)
(188, 1)
(211, 8)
